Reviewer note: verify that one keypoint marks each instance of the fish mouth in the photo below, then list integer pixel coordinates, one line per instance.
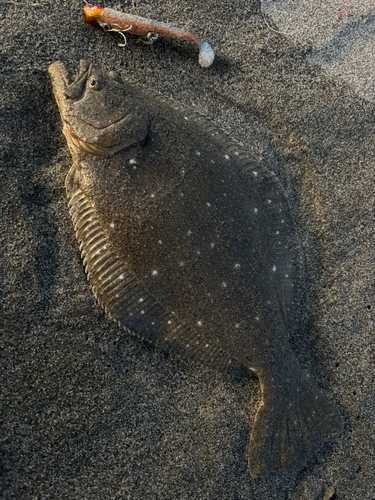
(96, 149)
(120, 121)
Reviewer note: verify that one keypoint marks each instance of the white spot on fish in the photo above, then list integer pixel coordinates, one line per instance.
(224, 285)
(122, 277)
(212, 245)
(212, 161)
(282, 222)
(189, 233)
(237, 266)
(277, 232)
(255, 173)
(159, 242)
(287, 276)
(181, 194)
(237, 325)
(182, 263)
(132, 162)
(112, 225)
(198, 252)
(207, 345)
(141, 299)
(198, 153)
(226, 157)
(154, 273)
(255, 210)
(237, 153)
(186, 118)
(199, 323)
(274, 268)
(208, 204)
(268, 201)
(142, 312)
(169, 322)
(152, 195)
(256, 317)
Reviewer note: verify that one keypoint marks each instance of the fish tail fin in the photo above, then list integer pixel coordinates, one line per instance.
(292, 424)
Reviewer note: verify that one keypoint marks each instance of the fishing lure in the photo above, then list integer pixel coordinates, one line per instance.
(119, 22)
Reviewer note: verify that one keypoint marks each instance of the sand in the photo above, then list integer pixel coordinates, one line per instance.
(89, 412)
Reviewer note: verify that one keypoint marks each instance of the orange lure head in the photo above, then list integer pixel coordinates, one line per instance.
(92, 13)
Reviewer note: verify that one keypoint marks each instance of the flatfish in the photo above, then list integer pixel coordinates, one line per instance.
(189, 244)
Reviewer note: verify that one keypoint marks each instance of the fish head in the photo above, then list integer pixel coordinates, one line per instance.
(92, 13)
(101, 114)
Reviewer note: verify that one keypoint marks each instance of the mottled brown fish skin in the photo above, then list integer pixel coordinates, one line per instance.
(190, 244)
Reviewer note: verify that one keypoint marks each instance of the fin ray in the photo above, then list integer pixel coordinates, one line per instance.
(290, 426)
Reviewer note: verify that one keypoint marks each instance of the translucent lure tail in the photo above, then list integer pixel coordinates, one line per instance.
(292, 424)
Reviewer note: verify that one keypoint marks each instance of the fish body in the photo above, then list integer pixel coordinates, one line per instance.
(190, 244)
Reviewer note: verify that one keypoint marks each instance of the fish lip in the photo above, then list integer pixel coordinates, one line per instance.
(91, 147)
(122, 119)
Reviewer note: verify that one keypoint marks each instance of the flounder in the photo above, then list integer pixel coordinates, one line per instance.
(188, 243)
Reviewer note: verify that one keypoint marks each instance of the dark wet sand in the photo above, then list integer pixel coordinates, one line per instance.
(88, 412)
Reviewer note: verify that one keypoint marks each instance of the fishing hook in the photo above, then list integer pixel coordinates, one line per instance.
(116, 29)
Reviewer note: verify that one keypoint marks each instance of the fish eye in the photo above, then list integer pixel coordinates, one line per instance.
(94, 84)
